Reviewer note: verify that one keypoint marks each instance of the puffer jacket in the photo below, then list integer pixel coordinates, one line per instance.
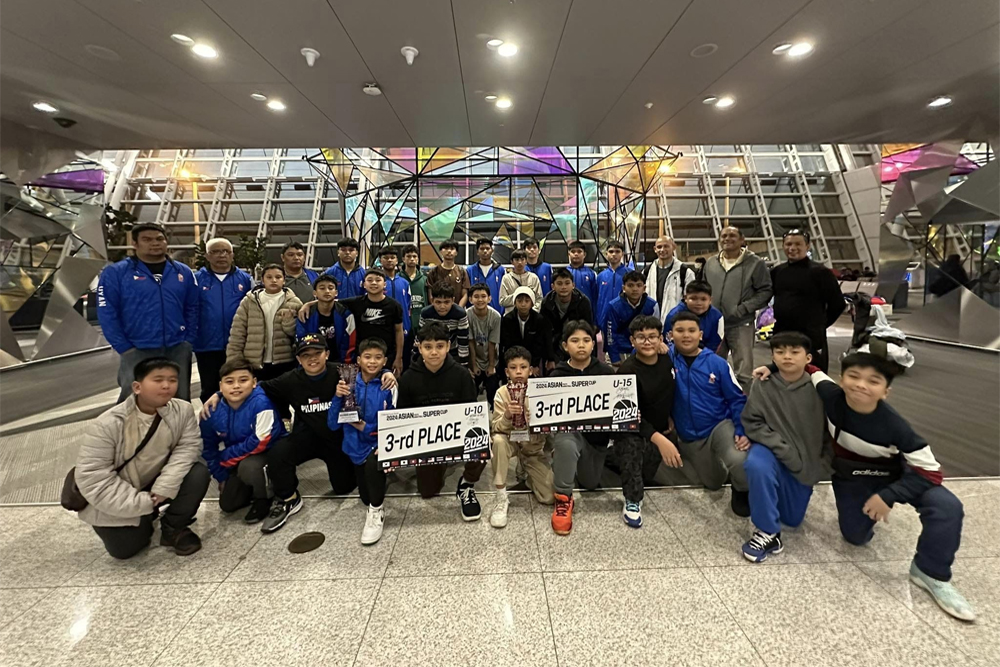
(246, 339)
(371, 398)
(217, 306)
(118, 500)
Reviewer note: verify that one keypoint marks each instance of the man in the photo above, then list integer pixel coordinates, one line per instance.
(349, 274)
(378, 316)
(563, 304)
(740, 285)
(138, 456)
(221, 287)
(519, 277)
(148, 307)
(541, 269)
(297, 278)
(807, 298)
(667, 277)
(418, 296)
(487, 271)
(450, 272)
(610, 281)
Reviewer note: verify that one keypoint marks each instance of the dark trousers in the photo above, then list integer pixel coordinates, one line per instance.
(941, 515)
(271, 371)
(288, 453)
(371, 481)
(245, 484)
(180, 353)
(490, 382)
(817, 339)
(408, 348)
(637, 459)
(209, 364)
(126, 541)
(430, 479)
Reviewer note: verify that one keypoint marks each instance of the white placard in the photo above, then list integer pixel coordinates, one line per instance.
(440, 434)
(586, 404)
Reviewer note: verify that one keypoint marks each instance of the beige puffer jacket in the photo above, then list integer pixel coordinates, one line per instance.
(114, 499)
(246, 338)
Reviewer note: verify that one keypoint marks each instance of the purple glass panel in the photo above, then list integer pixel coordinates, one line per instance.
(921, 158)
(82, 180)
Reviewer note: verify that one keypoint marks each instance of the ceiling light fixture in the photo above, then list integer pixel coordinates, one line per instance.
(204, 51)
(507, 49)
(704, 50)
(494, 43)
(184, 173)
(410, 53)
(310, 54)
(260, 97)
(648, 105)
(276, 105)
(102, 52)
(939, 102)
(800, 49)
(725, 102)
(44, 107)
(182, 39)
(372, 89)
(711, 99)
(491, 98)
(781, 48)
(504, 103)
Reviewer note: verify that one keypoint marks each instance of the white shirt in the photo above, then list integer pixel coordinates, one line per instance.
(270, 304)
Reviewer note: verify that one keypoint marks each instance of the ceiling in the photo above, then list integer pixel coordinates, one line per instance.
(585, 71)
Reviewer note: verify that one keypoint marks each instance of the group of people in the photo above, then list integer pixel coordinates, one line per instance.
(442, 337)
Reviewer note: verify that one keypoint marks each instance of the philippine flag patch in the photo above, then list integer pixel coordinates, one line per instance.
(711, 378)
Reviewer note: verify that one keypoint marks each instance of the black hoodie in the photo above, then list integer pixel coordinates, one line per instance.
(578, 308)
(563, 369)
(451, 384)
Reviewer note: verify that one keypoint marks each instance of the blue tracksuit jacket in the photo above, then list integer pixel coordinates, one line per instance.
(344, 336)
(544, 272)
(371, 398)
(711, 324)
(618, 315)
(250, 429)
(609, 287)
(493, 278)
(398, 288)
(705, 393)
(217, 306)
(585, 280)
(350, 283)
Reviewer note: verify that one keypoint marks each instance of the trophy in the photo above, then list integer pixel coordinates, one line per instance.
(349, 408)
(519, 433)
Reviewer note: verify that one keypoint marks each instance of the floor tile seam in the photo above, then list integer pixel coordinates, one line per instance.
(545, 590)
(670, 527)
(242, 559)
(51, 591)
(177, 634)
(732, 615)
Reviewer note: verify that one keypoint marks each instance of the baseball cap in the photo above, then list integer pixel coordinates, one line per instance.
(310, 341)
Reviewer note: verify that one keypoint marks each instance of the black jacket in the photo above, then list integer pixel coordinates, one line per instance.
(451, 384)
(563, 369)
(579, 308)
(536, 336)
(807, 297)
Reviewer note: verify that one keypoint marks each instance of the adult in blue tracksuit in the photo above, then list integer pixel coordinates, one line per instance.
(619, 315)
(711, 321)
(148, 307)
(221, 287)
(708, 403)
(611, 280)
(349, 273)
(488, 272)
(541, 269)
(235, 438)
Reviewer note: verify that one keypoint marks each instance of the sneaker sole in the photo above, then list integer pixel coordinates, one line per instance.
(562, 532)
(498, 525)
(948, 610)
(472, 518)
(630, 524)
(294, 510)
(753, 559)
(370, 542)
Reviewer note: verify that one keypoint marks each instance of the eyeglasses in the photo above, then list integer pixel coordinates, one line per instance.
(640, 338)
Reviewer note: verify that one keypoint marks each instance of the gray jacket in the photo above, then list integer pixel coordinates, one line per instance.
(788, 419)
(114, 499)
(740, 292)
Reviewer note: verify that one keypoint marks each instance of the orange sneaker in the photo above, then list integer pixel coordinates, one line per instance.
(562, 515)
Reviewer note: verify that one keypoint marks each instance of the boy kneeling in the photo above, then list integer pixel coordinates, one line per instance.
(783, 418)
(361, 441)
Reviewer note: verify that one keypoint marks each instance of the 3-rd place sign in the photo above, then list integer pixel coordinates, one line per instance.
(441, 434)
(594, 403)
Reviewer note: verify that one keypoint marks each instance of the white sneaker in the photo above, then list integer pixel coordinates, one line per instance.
(632, 514)
(498, 516)
(372, 532)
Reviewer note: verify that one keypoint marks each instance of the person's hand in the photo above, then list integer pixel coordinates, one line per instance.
(550, 365)
(668, 451)
(159, 500)
(472, 372)
(358, 425)
(388, 380)
(761, 373)
(536, 371)
(287, 314)
(208, 407)
(515, 409)
(662, 348)
(304, 310)
(397, 367)
(742, 442)
(490, 372)
(343, 390)
(876, 509)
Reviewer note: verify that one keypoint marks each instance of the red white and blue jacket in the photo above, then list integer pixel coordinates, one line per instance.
(371, 398)
(229, 436)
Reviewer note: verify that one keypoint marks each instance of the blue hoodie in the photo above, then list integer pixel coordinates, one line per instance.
(544, 272)
(137, 311)
(250, 429)
(585, 280)
(371, 398)
(711, 324)
(492, 279)
(218, 304)
(618, 316)
(609, 286)
(705, 394)
(398, 288)
(344, 337)
(348, 284)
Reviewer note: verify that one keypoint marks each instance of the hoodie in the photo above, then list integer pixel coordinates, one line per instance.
(493, 278)
(617, 318)
(370, 398)
(563, 369)
(788, 419)
(706, 393)
(578, 308)
(742, 290)
(450, 384)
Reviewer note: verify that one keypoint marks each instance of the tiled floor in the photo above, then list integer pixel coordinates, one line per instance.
(437, 591)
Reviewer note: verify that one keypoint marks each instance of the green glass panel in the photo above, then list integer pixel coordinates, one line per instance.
(440, 227)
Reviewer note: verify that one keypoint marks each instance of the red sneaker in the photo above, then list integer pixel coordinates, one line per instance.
(562, 515)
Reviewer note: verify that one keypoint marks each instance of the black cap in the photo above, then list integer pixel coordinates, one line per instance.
(310, 342)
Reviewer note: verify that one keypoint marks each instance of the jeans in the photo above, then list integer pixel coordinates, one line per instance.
(739, 341)
(180, 353)
(292, 451)
(531, 455)
(776, 497)
(711, 460)
(247, 484)
(575, 458)
(209, 364)
(636, 457)
(126, 541)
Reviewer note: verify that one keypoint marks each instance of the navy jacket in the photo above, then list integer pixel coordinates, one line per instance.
(705, 394)
(136, 311)
(371, 398)
(343, 321)
(585, 280)
(711, 323)
(217, 306)
(617, 318)
(492, 279)
(250, 429)
(350, 283)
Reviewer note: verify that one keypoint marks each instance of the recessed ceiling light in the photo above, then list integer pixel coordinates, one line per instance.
(276, 105)
(725, 102)
(800, 49)
(781, 48)
(504, 103)
(490, 98)
(494, 43)
(648, 105)
(182, 39)
(939, 101)
(711, 99)
(704, 50)
(101, 52)
(507, 49)
(44, 107)
(204, 51)
(260, 97)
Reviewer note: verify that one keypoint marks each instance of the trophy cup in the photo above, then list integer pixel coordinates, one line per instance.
(349, 408)
(519, 433)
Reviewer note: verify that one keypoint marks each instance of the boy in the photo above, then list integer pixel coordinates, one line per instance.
(263, 330)
(488, 271)
(708, 401)
(563, 304)
(245, 425)
(484, 333)
(418, 297)
(437, 379)
(329, 319)
(541, 269)
(396, 286)
(576, 455)
(455, 318)
(378, 316)
(448, 271)
(583, 276)
(519, 277)
(619, 314)
(349, 274)
(879, 461)
(611, 280)
(783, 418)
(639, 455)
(529, 450)
(525, 327)
(361, 439)
(698, 300)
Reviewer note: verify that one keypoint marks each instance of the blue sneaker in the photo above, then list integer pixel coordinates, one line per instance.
(946, 596)
(760, 545)
(632, 514)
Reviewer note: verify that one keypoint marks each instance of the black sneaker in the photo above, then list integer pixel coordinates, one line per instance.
(184, 541)
(740, 503)
(259, 510)
(758, 547)
(280, 511)
(471, 509)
